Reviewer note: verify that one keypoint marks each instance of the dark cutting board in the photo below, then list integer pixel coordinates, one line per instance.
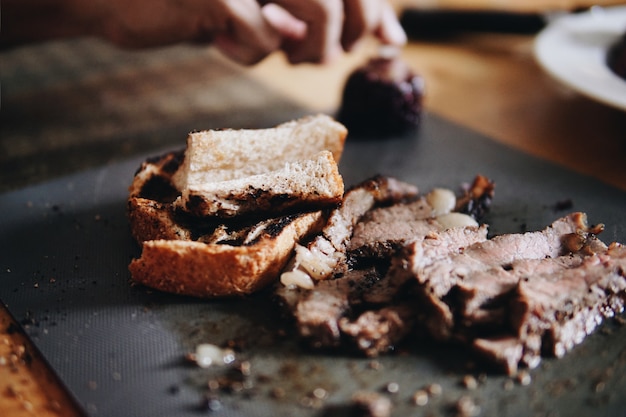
(120, 349)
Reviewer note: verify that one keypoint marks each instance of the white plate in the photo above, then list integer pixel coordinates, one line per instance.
(573, 49)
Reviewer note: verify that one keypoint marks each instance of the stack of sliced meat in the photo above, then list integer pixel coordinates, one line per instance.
(405, 268)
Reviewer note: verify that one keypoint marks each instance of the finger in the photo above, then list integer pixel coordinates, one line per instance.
(247, 37)
(324, 22)
(390, 30)
(362, 17)
(284, 22)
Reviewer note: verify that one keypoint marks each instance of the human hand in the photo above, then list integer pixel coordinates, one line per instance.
(329, 27)
(248, 30)
(244, 30)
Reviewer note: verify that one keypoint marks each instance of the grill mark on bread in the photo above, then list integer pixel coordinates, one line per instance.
(194, 203)
(173, 163)
(159, 189)
(275, 228)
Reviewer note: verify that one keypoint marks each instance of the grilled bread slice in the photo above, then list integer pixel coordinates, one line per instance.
(228, 173)
(223, 268)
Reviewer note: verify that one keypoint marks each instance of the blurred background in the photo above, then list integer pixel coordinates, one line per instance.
(70, 105)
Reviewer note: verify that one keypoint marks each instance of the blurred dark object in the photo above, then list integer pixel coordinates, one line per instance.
(616, 58)
(438, 23)
(382, 98)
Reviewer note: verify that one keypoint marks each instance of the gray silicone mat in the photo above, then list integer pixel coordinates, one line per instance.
(120, 349)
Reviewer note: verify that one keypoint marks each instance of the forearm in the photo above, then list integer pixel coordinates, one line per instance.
(25, 21)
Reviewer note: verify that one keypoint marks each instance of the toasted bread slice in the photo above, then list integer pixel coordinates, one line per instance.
(220, 269)
(307, 183)
(227, 173)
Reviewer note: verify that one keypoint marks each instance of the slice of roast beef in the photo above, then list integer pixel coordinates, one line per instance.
(488, 317)
(442, 273)
(556, 307)
(517, 297)
(481, 299)
(325, 256)
(317, 314)
(384, 230)
(566, 306)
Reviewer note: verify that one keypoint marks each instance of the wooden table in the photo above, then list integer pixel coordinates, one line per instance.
(486, 82)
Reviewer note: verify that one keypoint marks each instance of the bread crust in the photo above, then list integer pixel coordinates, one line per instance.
(221, 270)
(152, 220)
